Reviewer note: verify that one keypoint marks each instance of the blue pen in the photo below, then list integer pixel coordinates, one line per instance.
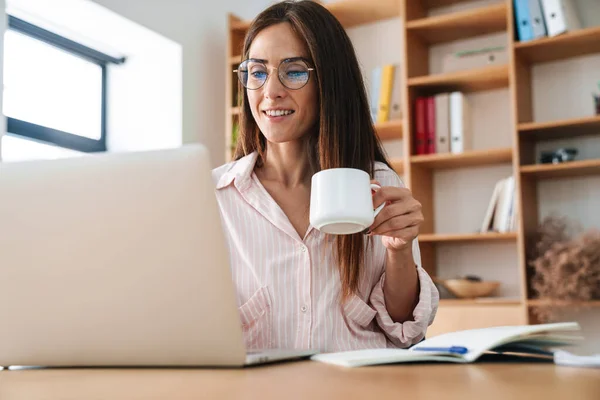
(451, 349)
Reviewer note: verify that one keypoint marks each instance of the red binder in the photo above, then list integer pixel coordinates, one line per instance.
(430, 126)
(420, 135)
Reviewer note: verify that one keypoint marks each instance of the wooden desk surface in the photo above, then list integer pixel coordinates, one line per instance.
(309, 380)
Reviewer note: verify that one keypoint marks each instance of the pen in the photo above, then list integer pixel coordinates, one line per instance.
(451, 349)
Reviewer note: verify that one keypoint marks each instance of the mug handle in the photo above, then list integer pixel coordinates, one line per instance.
(375, 187)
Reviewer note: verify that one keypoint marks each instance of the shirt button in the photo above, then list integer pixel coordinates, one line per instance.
(303, 248)
(303, 308)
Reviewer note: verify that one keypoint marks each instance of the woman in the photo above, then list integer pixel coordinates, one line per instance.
(304, 109)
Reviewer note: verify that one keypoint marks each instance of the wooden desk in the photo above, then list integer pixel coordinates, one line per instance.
(308, 380)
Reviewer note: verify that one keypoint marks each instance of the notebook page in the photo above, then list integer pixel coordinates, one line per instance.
(358, 358)
(477, 341)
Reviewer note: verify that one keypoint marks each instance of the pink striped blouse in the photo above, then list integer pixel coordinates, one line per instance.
(288, 287)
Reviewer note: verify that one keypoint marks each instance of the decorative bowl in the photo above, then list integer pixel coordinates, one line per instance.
(469, 289)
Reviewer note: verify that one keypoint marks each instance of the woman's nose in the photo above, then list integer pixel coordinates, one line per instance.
(273, 87)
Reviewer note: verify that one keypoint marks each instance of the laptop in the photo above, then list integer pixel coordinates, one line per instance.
(118, 259)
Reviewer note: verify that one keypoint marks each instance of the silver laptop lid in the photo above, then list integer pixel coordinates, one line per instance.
(115, 259)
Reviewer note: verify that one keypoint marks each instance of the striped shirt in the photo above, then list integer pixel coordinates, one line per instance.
(288, 287)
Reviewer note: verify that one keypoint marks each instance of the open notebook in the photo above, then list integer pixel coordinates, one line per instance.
(467, 346)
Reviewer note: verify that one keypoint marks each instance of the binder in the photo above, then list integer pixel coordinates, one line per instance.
(385, 93)
(442, 123)
(396, 102)
(375, 87)
(420, 135)
(460, 126)
(560, 16)
(537, 19)
(430, 127)
(523, 20)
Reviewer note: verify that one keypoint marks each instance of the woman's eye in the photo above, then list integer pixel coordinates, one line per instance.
(296, 74)
(259, 74)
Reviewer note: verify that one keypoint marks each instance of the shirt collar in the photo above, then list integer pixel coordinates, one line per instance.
(240, 172)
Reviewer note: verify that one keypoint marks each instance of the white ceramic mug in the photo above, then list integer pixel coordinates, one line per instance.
(341, 201)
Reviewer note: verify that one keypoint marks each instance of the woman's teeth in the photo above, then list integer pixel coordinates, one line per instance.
(278, 113)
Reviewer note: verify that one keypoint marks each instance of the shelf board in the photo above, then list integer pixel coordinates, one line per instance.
(486, 78)
(389, 130)
(562, 303)
(442, 3)
(235, 59)
(398, 165)
(562, 170)
(234, 110)
(561, 129)
(460, 25)
(462, 160)
(352, 13)
(492, 301)
(571, 44)
(241, 26)
(466, 237)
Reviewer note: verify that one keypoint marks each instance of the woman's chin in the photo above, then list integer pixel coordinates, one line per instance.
(281, 137)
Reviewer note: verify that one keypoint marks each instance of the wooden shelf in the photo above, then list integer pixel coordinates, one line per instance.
(234, 110)
(497, 301)
(235, 59)
(562, 170)
(466, 237)
(398, 165)
(571, 44)
(462, 160)
(389, 130)
(240, 25)
(460, 25)
(562, 303)
(442, 3)
(479, 79)
(352, 13)
(561, 129)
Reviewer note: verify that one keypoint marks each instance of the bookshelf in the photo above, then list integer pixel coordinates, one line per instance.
(422, 29)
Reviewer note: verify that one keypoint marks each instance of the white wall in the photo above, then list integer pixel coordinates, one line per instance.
(199, 26)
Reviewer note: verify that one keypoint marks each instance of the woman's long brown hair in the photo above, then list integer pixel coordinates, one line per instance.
(345, 136)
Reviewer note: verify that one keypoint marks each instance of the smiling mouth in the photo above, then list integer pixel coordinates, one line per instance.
(278, 113)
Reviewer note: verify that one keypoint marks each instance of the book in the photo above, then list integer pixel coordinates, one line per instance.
(528, 341)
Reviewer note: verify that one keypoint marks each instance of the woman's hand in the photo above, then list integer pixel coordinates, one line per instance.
(399, 221)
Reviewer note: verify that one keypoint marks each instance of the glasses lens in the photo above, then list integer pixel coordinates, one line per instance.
(294, 74)
(252, 74)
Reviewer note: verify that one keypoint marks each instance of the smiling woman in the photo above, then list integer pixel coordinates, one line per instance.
(304, 109)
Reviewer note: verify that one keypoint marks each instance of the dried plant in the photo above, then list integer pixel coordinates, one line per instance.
(565, 265)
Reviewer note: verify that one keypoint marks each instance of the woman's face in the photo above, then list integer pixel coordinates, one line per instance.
(282, 114)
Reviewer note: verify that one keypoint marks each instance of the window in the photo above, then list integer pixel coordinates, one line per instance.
(54, 94)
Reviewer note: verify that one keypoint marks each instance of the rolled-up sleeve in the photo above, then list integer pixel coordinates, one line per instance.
(410, 332)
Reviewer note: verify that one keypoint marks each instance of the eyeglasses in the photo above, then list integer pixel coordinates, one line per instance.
(293, 73)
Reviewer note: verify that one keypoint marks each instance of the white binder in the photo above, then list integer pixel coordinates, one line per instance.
(560, 16)
(460, 123)
(537, 19)
(442, 123)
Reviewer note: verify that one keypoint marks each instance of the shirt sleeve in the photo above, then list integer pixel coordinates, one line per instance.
(410, 332)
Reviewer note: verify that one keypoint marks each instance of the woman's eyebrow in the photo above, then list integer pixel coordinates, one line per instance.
(261, 60)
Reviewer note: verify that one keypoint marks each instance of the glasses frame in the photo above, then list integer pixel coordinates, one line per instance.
(270, 69)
